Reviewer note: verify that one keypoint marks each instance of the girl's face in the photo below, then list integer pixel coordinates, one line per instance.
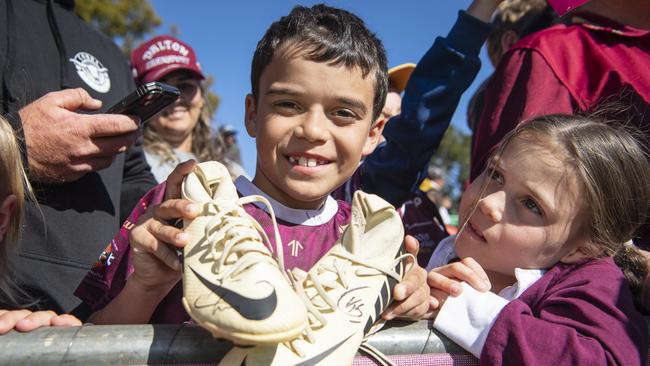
(530, 216)
(176, 122)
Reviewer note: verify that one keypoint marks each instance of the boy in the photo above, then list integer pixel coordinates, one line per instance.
(311, 112)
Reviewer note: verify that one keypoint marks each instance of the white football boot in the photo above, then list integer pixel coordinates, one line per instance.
(232, 285)
(345, 292)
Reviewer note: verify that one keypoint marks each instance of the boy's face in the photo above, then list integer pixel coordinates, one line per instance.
(312, 123)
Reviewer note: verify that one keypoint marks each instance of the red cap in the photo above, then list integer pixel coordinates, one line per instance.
(564, 6)
(159, 56)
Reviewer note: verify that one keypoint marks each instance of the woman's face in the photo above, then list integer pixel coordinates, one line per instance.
(176, 122)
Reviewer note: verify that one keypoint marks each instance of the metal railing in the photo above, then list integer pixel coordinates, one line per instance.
(188, 344)
(172, 344)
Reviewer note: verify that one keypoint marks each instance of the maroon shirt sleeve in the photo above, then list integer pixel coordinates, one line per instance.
(582, 316)
(523, 86)
(108, 276)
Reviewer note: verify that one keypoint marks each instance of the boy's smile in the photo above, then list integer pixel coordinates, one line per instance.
(306, 160)
(312, 123)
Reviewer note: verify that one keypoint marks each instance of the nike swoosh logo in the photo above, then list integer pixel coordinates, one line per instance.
(312, 361)
(251, 309)
(202, 247)
(319, 357)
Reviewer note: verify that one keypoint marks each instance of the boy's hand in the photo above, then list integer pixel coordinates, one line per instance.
(444, 281)
(411, 296)
(154, 242)
(26, 321)
(175, 179)
(154, 239)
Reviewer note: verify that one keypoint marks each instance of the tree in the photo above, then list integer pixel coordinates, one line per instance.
(453, 156)
(211, 99)
(126, 21)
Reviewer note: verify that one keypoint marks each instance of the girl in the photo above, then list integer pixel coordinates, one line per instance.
(12, 194)
(543, 226)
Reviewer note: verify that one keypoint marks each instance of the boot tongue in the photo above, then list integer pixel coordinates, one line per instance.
(224, 190)
(216, 179)
(193, 189)
(353, 235)
(374, 227)
(209, 181)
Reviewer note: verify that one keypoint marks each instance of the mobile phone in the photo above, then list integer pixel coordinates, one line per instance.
(147, 100)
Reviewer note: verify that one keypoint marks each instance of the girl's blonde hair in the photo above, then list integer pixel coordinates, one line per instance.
(611, 165)
(15, 182)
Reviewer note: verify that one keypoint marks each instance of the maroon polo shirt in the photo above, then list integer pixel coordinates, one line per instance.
(567, 68)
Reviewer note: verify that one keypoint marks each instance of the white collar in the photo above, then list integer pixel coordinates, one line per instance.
(445, 252)
(293, 215)
(525, 279)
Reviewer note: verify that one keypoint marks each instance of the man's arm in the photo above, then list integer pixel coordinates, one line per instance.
(429, 102)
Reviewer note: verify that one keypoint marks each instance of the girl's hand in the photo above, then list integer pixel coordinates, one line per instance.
(26, 321)
(444, 280)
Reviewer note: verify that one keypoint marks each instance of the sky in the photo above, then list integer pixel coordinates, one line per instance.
(224, 35)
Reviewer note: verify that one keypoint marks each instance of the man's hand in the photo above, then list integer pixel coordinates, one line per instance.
(63, 145)
(411, 296)
(26, 321)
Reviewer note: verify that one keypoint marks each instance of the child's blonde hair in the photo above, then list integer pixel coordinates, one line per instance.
(520, 16)
(14, 181)
(611, 165)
